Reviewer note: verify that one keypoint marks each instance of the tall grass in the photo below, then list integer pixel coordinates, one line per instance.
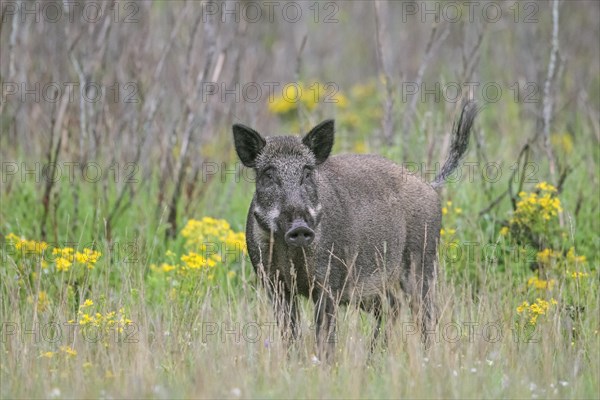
(220, 339)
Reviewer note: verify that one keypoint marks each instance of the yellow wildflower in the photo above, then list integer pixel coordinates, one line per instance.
(68, 350)
(523, 307)
(574, 259)
(86, 319)
(578, 274)
(541, 283)
(545, 187)
(87, 303)
(547, 256)
(62, 264)
(447, 232)
(534, 310)
(193, 260)
(65, 252)
(88, 257)
(167, 267)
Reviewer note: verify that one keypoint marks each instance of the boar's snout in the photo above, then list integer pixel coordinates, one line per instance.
(299, 235)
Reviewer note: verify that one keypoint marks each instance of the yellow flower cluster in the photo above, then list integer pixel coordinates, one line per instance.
(309, 96)
(208, 242)
(209, 231)
(577, 274)
(88, 257)
(107, 321)
(448, 209)
(574, 259)
(548, 256)
(541, 283)
(534, 310)
(67, 256)
(532, 206)
(26, 246)
(66, 350)
(194, 260)
(43, 301)
(447, 232)
(64, 257)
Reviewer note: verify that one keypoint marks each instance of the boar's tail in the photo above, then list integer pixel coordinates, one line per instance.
(460, 141)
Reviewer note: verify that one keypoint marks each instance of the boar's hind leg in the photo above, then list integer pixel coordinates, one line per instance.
(378, 312)
(420, 286)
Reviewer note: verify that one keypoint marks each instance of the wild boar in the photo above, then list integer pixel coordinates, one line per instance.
(342, 229)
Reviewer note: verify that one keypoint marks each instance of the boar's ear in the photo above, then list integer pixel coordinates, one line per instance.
(320, 140)
(248, 144)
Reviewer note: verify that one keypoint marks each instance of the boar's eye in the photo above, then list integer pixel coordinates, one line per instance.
(306, 174)
(267, 176)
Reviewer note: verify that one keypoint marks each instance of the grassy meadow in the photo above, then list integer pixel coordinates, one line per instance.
(124, 271)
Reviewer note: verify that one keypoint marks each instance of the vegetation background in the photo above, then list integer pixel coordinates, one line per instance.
(123, 206)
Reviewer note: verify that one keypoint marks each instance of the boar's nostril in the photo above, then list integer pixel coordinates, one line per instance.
(299, 235)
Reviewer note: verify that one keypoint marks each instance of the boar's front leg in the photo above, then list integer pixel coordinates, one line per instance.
(325, 324)
(285, 306)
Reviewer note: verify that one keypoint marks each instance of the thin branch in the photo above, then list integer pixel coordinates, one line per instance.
(435, 40)
(524, 153)
(299, 104)
(388, 106)
(548, 103)
(11, 46)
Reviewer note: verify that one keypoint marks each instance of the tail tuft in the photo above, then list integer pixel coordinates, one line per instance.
(460, 141)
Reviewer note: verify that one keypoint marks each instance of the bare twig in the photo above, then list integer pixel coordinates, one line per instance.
(494, 203)
(56, 125)
(388, 106)
(435, 40)
(471, 59)
(299, 104)
(548, 102)
(12, 42)
(524, 153)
